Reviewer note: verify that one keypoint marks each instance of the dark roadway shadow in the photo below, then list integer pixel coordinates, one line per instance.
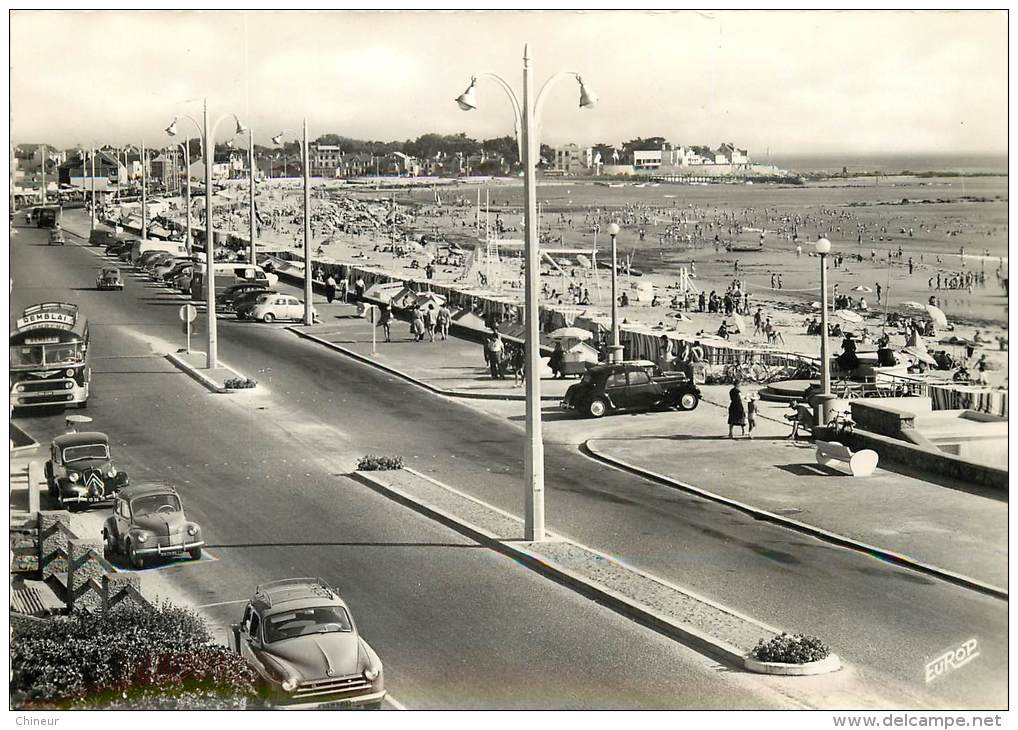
(811, 470)
(346, 544)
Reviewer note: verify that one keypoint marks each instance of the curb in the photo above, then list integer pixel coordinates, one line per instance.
(411, 379)
(622, 605)
(902, 561)
(195, 374)
(36, 478)
(830, 663)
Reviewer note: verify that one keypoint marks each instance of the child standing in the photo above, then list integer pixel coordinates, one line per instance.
(751, 413)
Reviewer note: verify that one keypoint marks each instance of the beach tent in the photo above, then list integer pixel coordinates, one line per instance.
(937, 315)
(429, 297)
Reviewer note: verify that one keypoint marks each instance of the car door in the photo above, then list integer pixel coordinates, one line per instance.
(248, 638)
(642, 391)
(293, 308)
(121, 521)
(615, 387)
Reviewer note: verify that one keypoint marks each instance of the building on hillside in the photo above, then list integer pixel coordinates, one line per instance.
(221, 168)
(107, 167)
(30, 156)
(403, 164)
(356, 165)
(571, 159)
(733, 155)
(326, 160)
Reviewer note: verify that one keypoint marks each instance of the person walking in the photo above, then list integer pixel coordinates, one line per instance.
(751, 413)
(736, 411)
(429, 321)
(417, 325)
(444, 317)
(330, 289)
(359, 287)
(495, 348)
(344, 290)
(384, 321)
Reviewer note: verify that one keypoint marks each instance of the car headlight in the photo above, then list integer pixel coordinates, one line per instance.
(69, 373)
(19, 389)
(74, 476)
(371, 674)
(111, 473)
(192, 529)
(289, 684)
(141, 537)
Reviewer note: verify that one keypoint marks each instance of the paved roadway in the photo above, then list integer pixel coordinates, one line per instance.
(456, 625)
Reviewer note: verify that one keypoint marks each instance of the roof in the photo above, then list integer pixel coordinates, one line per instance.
(146, 488)
(81, 438)
(295, 593)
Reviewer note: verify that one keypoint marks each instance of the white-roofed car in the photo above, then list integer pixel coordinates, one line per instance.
(279, 306)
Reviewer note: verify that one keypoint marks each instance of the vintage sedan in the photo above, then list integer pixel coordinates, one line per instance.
(300, 638)
(57, 237)
(636, 385)
(148, 521)
(230, 294)
(247, 301)
(280, 306)
(109, 278)
(80, 471)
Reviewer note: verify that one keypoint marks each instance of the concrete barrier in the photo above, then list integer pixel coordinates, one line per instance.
(877, 418)
(85, 572)
(36, 478)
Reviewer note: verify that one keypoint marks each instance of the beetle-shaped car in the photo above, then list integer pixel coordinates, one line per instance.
(148, 520)
(109, 278)
(630, 386)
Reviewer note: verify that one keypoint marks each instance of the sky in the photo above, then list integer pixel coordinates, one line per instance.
(795, 82)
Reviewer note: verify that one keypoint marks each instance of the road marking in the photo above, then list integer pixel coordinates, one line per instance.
(395, 704)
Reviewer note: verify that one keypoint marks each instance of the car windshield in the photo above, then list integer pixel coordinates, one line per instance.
(86, 451)
(63, 354)
(152, 503)
(306, 621)
(110, 272)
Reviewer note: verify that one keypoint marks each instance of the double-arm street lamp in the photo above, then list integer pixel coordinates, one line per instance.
(185, 148)
(306, 164)
(527, 117)
(615, 352)
(207, 133)
(823, 247)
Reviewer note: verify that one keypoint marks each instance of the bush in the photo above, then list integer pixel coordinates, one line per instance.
(130, 658)
(797, 649)
(239, 383)
(379, 463)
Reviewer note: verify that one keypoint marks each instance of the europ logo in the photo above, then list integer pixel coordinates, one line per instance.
(952, 659)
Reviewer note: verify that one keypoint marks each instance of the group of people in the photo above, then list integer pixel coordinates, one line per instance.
(427, 321)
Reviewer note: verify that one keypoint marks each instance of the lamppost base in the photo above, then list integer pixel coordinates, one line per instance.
(615, 353)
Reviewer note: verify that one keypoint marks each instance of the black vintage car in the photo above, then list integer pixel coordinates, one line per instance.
(636, 385)
(80, 471)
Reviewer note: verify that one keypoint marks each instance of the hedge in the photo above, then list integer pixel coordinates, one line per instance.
(130, 658)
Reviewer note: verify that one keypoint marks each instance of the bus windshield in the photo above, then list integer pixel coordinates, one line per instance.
(64, 353)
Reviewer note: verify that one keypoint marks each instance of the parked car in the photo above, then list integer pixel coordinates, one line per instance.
(182, 281)
(281, 306)
(299, 636)
(167, 270)
(636, 385)
(102, 237)
(148, 520)
(56, 236)
(147, 258)
(115, 249)
(109, 278)
(244, 303)
(80, 471)
(227, 297)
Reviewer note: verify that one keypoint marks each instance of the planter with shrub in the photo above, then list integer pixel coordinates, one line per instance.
(379, 463)
(239, 383)
(792, 654)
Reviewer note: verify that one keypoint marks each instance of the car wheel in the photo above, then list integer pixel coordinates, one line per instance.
(135, 560)
(195, 553)
(267, 318)
(689, 401)
(597, 407)
(109, 545)
(51, 484)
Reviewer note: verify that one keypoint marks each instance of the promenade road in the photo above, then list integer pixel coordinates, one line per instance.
(321, 411)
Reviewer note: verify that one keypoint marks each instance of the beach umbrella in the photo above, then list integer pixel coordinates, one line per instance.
(848, 315)
(814, 305)
(937, 315)
(583, 261)
(740, 323)
(862, 289)
(571, 333)
(913, 305)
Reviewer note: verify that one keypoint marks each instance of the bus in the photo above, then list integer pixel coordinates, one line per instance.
(49, 357)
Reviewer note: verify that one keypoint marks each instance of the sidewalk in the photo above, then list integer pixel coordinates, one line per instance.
(454, 366)
(943, 525)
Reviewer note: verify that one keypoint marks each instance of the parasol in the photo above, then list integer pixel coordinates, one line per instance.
(862, 289)
(583, 261)
(848, 315)
(937, 315)
(919, 354)
(913, 305)
(571, 333)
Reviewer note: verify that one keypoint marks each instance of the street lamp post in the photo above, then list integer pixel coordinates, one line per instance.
(615, 352)
(92, 158)
(44, 173)
(823, 247)
(207, 133)
(251, 211)
(308, 270)
(144, 184)
(527, 117)
(185, 148)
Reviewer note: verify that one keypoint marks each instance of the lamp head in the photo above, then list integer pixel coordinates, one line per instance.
(588, 98)
(240, 128)
(613, 229)
(468, 99)
(823, 246)
(172, 129)
(278, 139)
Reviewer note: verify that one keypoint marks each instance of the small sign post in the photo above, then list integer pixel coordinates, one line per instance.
(187, 313)
(373, 318)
